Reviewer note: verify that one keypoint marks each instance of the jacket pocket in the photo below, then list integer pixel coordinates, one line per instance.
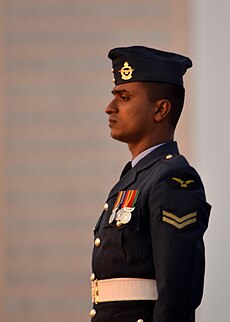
(124, 241)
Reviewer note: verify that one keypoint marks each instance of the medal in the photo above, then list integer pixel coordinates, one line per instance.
(123, 207)
(119, 214)
(116, 206)
(128, 201)
(112, 216)
(126, 217)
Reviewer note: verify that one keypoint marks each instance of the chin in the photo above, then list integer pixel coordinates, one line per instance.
(118, 137)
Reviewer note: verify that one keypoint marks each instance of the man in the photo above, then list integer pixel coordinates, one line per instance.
(148, 256)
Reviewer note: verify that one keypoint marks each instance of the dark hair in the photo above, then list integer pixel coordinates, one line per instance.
(172, 92)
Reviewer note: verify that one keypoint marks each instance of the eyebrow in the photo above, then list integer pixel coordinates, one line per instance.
(122, 91)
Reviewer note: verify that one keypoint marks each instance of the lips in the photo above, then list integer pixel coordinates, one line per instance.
(112, 121)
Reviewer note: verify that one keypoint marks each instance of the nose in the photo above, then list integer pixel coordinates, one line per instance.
(111, 107)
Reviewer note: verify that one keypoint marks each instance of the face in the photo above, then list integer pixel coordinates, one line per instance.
(130, 113)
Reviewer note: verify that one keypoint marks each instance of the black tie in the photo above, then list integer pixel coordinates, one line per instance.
(127, 167)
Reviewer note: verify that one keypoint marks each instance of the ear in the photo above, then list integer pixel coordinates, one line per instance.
(161, 109)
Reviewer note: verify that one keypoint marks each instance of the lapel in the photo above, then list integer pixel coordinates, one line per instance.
(149, 160)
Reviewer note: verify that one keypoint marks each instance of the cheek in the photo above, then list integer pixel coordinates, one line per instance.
(136, 116)
(143, 121)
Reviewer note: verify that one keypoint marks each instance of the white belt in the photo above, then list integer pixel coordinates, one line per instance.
(123, 289)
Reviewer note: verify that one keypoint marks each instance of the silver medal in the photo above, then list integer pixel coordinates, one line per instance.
(119, 214)
(126, 217)
(112, 217)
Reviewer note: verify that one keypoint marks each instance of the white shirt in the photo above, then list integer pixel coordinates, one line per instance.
(144, 153)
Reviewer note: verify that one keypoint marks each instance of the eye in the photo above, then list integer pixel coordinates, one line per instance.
(124, 98)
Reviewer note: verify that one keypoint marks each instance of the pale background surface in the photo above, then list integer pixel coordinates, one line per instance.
(57, 159)
(211, 78)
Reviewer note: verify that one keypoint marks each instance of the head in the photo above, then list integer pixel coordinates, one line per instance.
(148, 94)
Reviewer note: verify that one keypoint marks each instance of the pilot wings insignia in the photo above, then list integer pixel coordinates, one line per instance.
(183, 183)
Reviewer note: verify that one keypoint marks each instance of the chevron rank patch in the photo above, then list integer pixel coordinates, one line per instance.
(179, 222)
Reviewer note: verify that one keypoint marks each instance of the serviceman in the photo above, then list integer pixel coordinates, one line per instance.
(148, 257)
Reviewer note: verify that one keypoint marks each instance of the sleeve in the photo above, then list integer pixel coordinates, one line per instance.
(178, 219)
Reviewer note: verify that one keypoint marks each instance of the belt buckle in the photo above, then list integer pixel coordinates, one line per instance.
(95, 291)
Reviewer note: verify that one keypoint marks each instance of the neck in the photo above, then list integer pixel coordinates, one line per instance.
(137, 148)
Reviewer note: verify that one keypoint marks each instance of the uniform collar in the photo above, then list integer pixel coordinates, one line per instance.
(144, 153)
(147, 161)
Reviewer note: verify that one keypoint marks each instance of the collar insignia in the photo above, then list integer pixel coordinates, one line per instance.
(126, 71)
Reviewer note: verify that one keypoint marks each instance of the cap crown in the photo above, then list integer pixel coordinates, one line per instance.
(143, 64)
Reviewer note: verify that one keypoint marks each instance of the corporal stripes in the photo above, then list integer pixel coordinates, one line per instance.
(179, 222)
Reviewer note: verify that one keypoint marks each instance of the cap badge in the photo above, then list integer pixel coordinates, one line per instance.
(126, 71)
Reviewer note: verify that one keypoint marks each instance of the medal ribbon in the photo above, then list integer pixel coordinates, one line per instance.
(130, 198)
(119, 199)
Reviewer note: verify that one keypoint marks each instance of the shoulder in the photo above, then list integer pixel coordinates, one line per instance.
(178, 170)
(178, 186)
(176, 181)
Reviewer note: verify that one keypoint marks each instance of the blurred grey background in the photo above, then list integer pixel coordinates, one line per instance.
(57, 160)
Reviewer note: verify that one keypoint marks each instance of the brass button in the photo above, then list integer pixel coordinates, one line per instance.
(97, 242)
(118, 224)
(92, 313)
(169, 156)
(114, 80)
(140, 320)
(92, 277)
(106, 206)
(112, 70)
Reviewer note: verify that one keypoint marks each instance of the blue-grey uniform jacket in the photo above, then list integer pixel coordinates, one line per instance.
(162, 241)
